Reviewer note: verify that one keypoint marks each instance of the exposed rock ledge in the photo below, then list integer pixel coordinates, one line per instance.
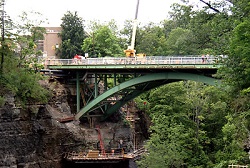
(33, 137)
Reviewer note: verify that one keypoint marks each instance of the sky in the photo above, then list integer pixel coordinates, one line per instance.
(101, 10)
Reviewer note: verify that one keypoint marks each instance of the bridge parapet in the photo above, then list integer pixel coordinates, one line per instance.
(149, 60)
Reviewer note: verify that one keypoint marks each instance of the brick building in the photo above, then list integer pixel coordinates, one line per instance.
(51, 41)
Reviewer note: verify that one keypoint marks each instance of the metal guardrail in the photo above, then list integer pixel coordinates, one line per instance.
(149, 60)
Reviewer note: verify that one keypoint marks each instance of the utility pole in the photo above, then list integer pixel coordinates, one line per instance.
(2, 42)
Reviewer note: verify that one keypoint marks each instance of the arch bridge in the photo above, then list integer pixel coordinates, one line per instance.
(103, 85)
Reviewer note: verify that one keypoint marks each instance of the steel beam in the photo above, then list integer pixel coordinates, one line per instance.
(96, 86)
(77, 92)
(171, 76)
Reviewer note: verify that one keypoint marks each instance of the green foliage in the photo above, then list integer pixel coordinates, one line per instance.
(166, 146)
(126, 33)
(24, 42)
(181, 15)
(72, 35)
(142, 103)
(23, 83)
(236, 76)
(209, 30)
(191, 127)
(19, 75)
(151, 40)
(232, 151)
(103, 41)
(237, 70)
(179, 42)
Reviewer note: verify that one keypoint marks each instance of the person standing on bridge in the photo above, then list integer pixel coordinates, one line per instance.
(120, 143)
(75, 58)
(206, 58)
(203, 58)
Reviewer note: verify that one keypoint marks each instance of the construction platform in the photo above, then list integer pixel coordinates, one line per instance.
(94, 156)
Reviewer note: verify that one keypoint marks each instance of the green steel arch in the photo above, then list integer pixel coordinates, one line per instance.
(138, 85)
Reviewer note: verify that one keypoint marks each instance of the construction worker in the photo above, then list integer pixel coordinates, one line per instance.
(120, 143)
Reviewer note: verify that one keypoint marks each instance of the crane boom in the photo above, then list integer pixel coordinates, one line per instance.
(135, 26)
(130, 52)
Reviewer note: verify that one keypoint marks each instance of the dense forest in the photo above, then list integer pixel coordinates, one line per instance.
(193, 125)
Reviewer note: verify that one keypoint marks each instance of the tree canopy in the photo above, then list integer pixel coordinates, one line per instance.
(19, 75)
(102, 41)
(211, 126)
(72, 35)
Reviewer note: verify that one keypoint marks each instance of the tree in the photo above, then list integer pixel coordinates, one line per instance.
(72, 35)
(6, 23)
(215, 126)
(210, 25)
(181, 15)
(236, 76)
(103, 41)
(18, 75)
(28, 33)
(169, 139)
(187, 126)
(126, 34)
(151, 40)
(237, 70)
(167, 145)
(180, 41)
(23, 83)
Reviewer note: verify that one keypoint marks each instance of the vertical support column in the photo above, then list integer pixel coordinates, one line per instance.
(105, 82)
(115, 79)
(96, 86)
(77, 92)
(105, 88)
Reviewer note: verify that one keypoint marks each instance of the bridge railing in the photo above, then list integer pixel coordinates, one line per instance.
(138, 60)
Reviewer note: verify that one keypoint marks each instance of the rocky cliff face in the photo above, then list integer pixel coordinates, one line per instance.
(33, 137)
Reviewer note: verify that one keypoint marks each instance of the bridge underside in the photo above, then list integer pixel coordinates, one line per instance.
(105, 102)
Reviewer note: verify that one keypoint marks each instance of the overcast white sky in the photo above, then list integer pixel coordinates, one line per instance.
(103, 10)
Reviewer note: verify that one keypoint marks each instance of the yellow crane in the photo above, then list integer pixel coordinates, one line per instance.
(130, 52)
